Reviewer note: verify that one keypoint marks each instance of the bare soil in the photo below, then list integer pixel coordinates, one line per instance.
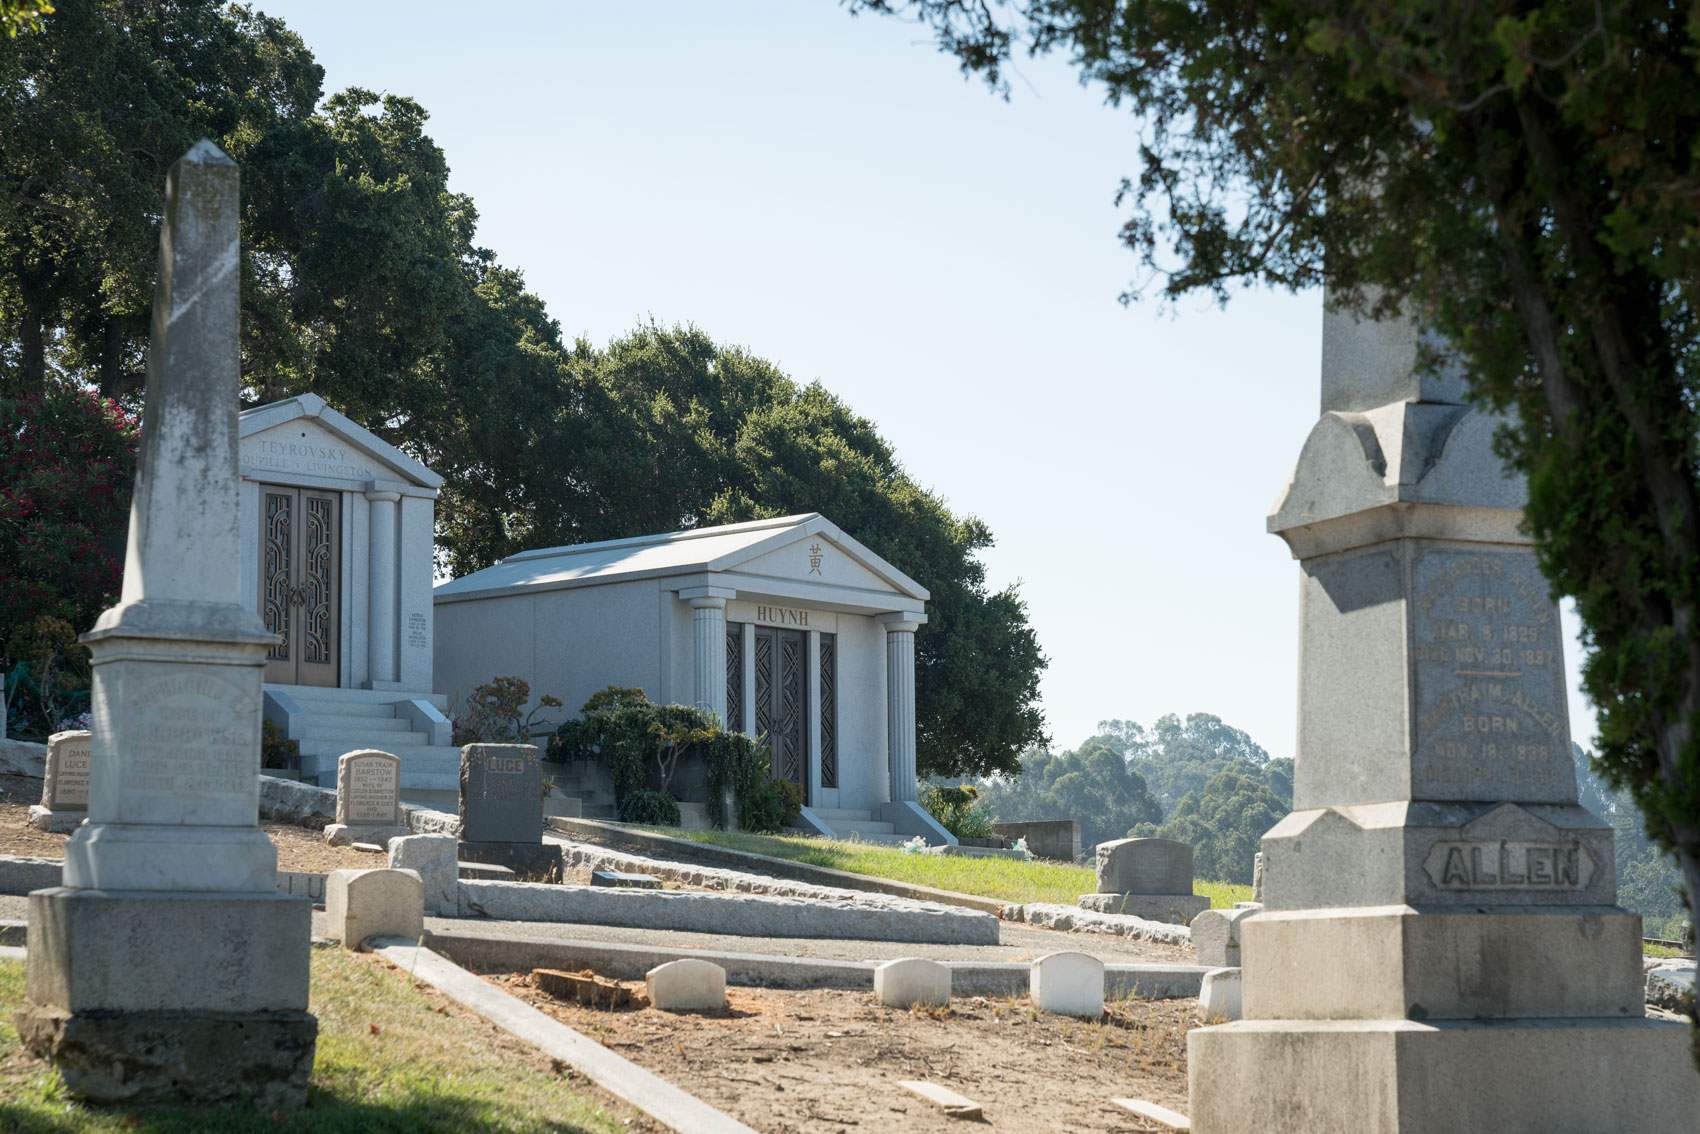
(785, 1061)
(297, 847)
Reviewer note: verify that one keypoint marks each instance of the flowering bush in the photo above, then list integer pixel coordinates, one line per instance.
(67, 465)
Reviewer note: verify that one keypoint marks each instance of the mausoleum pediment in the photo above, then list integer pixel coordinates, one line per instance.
(304, 440)
(789, 556)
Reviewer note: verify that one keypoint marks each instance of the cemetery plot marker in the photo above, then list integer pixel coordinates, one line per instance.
(65, 792)
(1439, 947)
(168, 967)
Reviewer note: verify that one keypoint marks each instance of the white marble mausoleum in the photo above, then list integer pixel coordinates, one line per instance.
(337, 554)
(785, 627)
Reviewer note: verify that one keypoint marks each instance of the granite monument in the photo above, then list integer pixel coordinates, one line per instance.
(168, 967)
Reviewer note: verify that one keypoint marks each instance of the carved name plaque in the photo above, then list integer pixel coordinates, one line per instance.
(1510, 866)
(501, 793)
(67, 785)
(316, 455)
(368, 789)
(1489, 681)
(191, 736)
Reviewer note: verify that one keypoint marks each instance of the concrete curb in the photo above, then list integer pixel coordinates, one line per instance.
(712, 877)
(758, 970)
(766, 864)
(19, 874)
(757, 915)
(621, 1078)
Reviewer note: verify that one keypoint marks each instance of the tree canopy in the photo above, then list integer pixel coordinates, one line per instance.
(1130, 780)
(362, 283)
(1091, 784)
(1520, 178)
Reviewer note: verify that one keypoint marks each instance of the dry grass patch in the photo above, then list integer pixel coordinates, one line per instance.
(392, 1056)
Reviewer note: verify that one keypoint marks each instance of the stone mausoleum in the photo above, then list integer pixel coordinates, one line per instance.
(785, 627)
(336, 558)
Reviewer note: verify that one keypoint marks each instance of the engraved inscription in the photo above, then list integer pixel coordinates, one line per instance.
(1504, 865)
(371, 790)
(781, 616)
(263, 455)
(1490, 719)
(191, 735)
(68, 773)
(416, 637)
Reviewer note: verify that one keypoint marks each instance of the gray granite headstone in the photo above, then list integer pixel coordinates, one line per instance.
(67, 785)
(1144, 866)
(501, 793)
(368, 788)
(65, 790)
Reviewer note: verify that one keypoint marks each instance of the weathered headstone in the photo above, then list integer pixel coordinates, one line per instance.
(686, 985)
(909, 981)
(168, 967)
(380, 902)
(435, 858)
(65, 792)
(1439, 947)
(1148, 878)
(368, 799)
(501, 810)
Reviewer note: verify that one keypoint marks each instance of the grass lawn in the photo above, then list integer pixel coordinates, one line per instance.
(389, 1059)
(1007, 879)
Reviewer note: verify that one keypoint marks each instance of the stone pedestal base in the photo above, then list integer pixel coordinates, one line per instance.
(530, 862)
(1178, 909)
(43, 819)
(1387, 1076)
(176, 1057)
(347, 834)
(186, 996)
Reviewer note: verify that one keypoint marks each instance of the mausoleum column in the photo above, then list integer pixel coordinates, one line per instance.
(708, 669)
(900, 706)
(381, 586)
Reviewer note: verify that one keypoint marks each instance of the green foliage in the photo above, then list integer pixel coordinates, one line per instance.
(641, 744)
(67, 460)
(1093, 785)
(1648, 881)
(276, 749)
(957, 810)
(1176, 757)
(665, 429)
(1520, 178)
(648, 808)
(50, 681)
(362, 283)
(495, 713)
(1224, 822)
(1127, 777)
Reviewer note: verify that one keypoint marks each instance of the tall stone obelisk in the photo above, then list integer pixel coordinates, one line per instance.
(1439, 948)
(167, 967)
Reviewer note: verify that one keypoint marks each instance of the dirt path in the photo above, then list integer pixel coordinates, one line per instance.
(788, 1062)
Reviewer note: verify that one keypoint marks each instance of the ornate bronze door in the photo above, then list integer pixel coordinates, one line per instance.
(300, 554)
(781, 711)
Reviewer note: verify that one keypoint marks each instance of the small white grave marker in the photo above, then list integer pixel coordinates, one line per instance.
(1069, 984)
(688, 985)
(910, 981)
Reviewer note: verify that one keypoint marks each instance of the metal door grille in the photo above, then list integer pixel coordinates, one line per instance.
(734, 721)
(828, 711)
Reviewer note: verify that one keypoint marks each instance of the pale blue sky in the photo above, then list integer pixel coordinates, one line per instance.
(830, 193)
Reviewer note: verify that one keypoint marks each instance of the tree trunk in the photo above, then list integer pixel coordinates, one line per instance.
(32, 343)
